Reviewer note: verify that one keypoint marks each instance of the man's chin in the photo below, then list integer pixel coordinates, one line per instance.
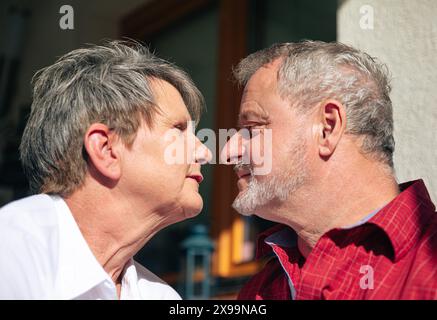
(241, 207)
(244, 213)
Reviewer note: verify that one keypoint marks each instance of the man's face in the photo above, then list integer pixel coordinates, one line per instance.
(147, 173)
(263, 109)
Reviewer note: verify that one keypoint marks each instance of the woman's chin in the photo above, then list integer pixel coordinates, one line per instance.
(193, 206)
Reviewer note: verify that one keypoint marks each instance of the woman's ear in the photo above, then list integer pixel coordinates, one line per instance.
(332, 124)
(100, 144)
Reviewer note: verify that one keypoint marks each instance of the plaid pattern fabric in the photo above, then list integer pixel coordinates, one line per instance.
(391, 256)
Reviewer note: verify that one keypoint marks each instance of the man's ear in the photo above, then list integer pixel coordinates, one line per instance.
(332, 124)
(100, 144)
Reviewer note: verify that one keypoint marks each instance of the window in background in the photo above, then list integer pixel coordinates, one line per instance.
(190, 41)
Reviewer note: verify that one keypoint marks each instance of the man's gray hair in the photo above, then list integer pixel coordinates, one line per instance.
(109, 84)
(311, 71)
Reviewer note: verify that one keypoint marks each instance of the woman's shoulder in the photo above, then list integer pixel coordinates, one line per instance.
(153, 287)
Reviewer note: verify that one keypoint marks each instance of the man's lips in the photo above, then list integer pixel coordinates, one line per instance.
(242, 173)
(197, 177)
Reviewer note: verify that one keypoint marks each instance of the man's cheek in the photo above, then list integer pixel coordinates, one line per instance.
(261, 153)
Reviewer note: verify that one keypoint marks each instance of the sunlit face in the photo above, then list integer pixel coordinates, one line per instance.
(170, 188)
(263, 109)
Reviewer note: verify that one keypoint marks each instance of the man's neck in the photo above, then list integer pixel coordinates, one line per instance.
(344, 201)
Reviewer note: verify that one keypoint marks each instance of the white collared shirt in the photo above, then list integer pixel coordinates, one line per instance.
(43, 255)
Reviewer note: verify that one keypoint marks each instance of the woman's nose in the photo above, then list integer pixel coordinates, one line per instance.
(202, 153)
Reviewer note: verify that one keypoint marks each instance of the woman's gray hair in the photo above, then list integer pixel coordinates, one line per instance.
(109, 84)
(313, 70)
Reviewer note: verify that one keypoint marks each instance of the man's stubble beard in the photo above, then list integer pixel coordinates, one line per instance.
(279, 186)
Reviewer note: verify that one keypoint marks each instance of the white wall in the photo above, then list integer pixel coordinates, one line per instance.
(404, 36)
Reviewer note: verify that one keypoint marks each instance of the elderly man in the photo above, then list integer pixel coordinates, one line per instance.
(93, 150)
(346, 229)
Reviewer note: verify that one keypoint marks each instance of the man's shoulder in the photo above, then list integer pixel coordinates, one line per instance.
(421, 273)
(427, 245)
(156, 287)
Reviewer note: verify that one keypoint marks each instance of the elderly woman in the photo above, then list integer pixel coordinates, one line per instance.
(94, 152)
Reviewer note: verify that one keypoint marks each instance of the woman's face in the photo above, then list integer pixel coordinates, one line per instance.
(162, 167)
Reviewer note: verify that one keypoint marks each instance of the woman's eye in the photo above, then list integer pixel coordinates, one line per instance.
(181, 126)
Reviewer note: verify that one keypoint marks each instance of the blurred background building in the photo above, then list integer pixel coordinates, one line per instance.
(207, 38)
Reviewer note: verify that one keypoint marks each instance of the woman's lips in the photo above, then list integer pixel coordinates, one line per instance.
(196, 177)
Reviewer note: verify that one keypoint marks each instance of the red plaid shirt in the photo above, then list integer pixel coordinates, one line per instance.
(393, 255)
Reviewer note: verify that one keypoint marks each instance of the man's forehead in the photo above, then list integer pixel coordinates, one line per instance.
(270, 69)
(262, 82)
(264, 78)
(274, 64)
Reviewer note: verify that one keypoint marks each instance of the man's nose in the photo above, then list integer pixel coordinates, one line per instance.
(233, 151)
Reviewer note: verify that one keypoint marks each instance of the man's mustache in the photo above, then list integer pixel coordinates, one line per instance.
(243, 166)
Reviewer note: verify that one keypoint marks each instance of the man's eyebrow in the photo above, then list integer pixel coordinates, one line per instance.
(247, 114)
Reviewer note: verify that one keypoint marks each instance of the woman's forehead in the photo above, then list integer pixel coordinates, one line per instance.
(169, 100)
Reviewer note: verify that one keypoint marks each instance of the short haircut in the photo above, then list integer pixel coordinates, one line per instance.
(108, 84)
(311, 71)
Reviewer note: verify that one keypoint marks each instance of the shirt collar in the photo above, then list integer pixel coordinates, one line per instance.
(78, 269)
(405, 218)
(263, 246)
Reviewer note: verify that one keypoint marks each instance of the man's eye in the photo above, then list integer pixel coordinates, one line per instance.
(251, 131)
